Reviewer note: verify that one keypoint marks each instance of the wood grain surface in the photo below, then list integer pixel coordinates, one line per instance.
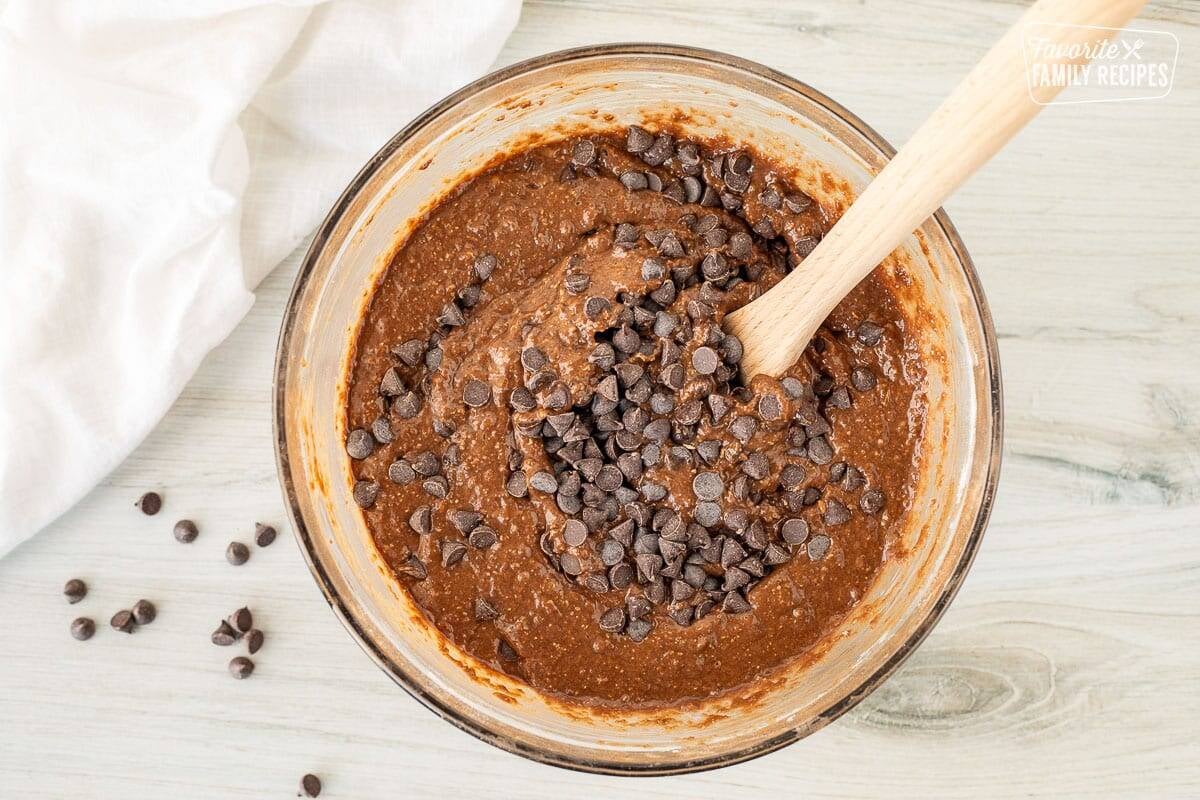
(1068, 666)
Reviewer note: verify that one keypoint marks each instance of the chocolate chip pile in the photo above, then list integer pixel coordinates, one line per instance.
(660, 466)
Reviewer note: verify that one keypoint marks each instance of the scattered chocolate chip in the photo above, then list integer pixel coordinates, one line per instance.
(225, 634)
(122, 621)
(310, 785)
(74, 590)
(150, 503)
(186, 531)
(869, 333)
(862, 379)
(421, 520)
(82, 628)
(452, 552)
(365, 493)
(705, 360)
(360, 443)
(818, 547)
(871, 501)
(482, 538)
(819, 450)
(794, 530)
(485, 611)
(407, 405)
(264, 535)
(240, 667)
(241, 620)
(577, 282)
(476, 393)
(506, 651)
(437, 486)
(254, 641)
(237, 554)
(143, 612)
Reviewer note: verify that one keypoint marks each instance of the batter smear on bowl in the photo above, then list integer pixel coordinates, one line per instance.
(556, 455)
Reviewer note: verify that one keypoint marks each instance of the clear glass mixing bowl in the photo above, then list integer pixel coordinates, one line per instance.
(600, 87)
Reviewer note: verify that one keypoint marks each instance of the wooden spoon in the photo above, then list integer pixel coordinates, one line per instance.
(985, 110)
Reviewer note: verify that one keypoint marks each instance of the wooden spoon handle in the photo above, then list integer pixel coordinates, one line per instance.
(985, 110)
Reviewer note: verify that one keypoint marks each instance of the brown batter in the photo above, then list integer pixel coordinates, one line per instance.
(553, 448)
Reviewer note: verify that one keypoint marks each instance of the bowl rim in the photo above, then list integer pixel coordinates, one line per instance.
(398, 674)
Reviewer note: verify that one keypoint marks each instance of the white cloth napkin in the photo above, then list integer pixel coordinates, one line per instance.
(157, 159)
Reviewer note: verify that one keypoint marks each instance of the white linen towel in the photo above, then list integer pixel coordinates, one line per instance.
(157, 159)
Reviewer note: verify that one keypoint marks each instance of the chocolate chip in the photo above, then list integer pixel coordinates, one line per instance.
(476, 393)
(769, 407)
(734, 603)
(533, 358)
(433, 359)
(792, 387)
(634, 180)
(411, 352)
(836, 513)
(414, 568)
(482, 538)
(254, 641)
(451, 315)
(437, 486)
(360, 443)
(150, 503)
(465, 519)
(792, 476)
(506, 651)
(407, 405)
(421, 520)
(310, 785)
(401, 473)
(757, 466)
(237, 554)
(484, 266)
(144, 612)
(794, 530)
(452, 552)
(365, 493)
(872, 501)
(122, 621)
(521, 399)
(241, 620)
(264, 535)
(240, 667)
(225, 635)
(638, 629)
(584, 153)
(594, 307)
(708, 485)
(575, 533)
(869, 333)
(638, 140)
(82, 628)
(517, 485)
(743, 428)
(671, 247)
(613, 620)
(544, 482)
(186, 531)
(577, 282)
(862, 379)
(819, 450)
(659, 151)
(705, 360)
(485, 611)
(621, 576)
(818, 547)
(74, 590)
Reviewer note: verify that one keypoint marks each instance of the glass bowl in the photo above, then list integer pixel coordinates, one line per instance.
(704, 94)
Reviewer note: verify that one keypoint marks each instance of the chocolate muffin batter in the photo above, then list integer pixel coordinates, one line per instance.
(554, 450)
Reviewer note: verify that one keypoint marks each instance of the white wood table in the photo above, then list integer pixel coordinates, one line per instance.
(1068, 665)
